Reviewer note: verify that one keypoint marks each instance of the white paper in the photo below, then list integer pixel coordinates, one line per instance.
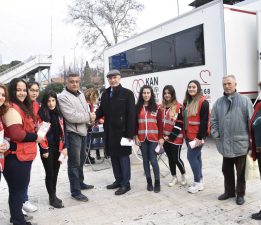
(62, 158)
(43, 129)
(100, 127)
(159, 149)
(192, 144)
(1, 136)
(126, 142)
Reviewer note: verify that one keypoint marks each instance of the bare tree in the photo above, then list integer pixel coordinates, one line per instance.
(103, 23)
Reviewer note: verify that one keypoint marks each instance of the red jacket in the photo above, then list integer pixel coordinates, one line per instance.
(148, 125)
(253, 144)
(169, 123)
(193, 122)
(25, 151)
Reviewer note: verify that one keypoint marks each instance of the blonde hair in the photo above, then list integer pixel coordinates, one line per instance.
(91, 95)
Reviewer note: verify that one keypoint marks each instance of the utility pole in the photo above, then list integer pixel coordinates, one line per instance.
(178, 6)
(74, 68)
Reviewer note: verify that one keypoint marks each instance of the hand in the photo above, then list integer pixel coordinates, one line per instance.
(3, 147)
(137, 141)
(45, 155)
(64, 152)
(39, 139)
(166, 138)
(92, 117)
(161, 141)
(199, 142)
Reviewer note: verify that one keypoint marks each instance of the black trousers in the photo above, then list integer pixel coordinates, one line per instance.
(51, 166)
(173, 153)
(229, 175)
(17, 176)
(121, 170)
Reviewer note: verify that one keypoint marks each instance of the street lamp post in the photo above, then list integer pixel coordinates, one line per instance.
(74, 57)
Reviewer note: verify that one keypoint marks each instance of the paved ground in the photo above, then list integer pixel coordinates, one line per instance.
(140, 207)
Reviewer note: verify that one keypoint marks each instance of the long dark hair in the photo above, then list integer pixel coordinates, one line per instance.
(26, 105)
(172, 92)
(44, 111)
(152, 106)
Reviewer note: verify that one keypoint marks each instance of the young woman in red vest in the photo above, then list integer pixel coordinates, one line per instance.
(196, 124)
(4, 105)
(172, 118)
(149, 134)
(53, 144)
(33, 91)
(19, 125)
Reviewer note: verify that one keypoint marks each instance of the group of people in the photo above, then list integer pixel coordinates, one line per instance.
(153, 126)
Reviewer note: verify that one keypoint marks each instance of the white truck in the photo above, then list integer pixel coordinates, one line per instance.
(204, 44)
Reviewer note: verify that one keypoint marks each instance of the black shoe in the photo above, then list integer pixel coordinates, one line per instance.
(86, 186)
(59, 200)
(256, 216)
(114, 185)
(29, 223)
(91, 160)
(225, 196)
(81, 198)
(149, 184)
(55, 202)
(240, 200)
(122, 190)
(157, 186)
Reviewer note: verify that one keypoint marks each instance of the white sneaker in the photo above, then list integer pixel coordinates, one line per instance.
(196, 187)
(29, 207)
(183, 181)
(24, 212)
(174, 180)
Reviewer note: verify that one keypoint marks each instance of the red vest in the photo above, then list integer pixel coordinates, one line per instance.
(147, 125)
(169, 123)
(193, 122)
(25, 151)
(45, 144)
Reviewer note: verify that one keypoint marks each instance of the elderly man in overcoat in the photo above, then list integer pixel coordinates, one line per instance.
(229, 120)
(118, 109)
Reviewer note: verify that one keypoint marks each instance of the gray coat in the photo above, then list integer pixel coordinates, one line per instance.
(75, 111)
(229, 120)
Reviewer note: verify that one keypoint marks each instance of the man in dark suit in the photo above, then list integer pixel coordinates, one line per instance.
(118, 109)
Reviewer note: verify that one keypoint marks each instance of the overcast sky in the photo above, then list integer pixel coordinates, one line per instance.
(25, 28)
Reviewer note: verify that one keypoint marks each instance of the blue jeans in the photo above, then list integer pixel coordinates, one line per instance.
(76, 160)
(149, 156)
(26, 198)
(17, 176)
(121, 170)
(194, 158)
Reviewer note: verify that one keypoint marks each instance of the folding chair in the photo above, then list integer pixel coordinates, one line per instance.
(161, 157)
(91, 145)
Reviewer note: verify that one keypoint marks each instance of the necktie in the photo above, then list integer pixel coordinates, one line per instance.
(111, 93)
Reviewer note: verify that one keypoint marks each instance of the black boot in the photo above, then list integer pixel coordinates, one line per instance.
(149, 184)
(54, 201)
(59, 200)
(98, 156)
(157, 186)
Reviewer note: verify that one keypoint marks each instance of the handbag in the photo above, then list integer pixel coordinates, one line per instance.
(252, 170)
(159, 149)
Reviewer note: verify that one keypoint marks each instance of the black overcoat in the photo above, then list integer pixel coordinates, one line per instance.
(119, 119)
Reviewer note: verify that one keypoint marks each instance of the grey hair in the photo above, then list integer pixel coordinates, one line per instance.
(230, 76)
